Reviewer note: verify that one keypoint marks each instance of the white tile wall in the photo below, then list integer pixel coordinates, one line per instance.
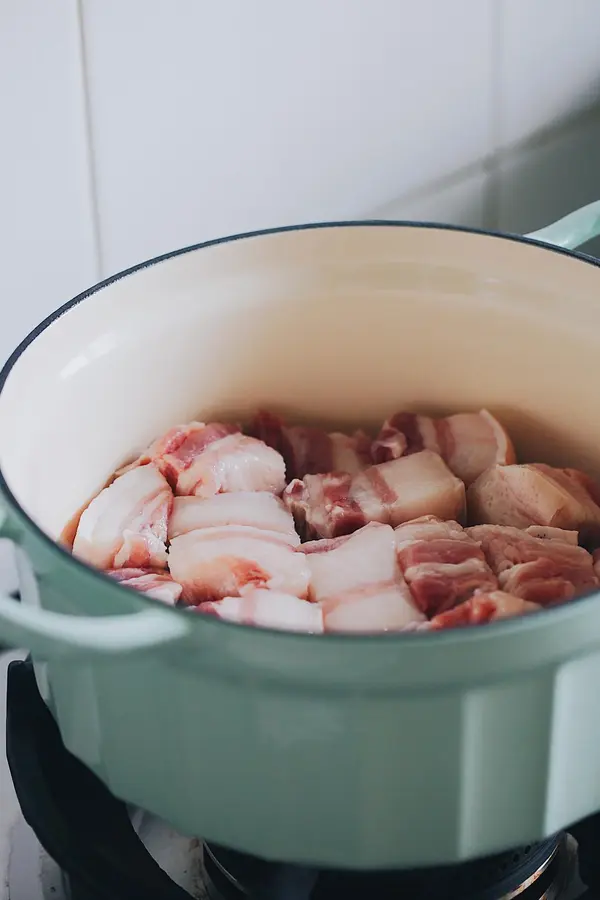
(207, 118)
(462, 201)
(541, 184)
(211, 118)
(550, 64)
(47, 248)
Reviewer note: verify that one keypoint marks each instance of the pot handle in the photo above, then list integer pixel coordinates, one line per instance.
(49, 635)
(573, 230)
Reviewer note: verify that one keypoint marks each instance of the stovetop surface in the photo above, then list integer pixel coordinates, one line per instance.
(33, 875)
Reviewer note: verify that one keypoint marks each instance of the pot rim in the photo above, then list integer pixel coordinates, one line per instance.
(460, 633)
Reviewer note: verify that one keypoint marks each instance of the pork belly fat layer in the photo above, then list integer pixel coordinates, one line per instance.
(268, 609)
(259, 509)
(234, 463)
(357, 582)
(212, 563)
(125, 526)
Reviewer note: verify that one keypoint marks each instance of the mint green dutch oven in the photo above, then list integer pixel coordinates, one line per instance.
(372, 751)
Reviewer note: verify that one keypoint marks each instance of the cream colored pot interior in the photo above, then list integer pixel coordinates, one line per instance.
(337, 324)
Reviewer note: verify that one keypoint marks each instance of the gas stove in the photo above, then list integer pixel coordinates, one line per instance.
(75, 840)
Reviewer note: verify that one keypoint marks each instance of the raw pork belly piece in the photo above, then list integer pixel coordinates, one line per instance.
(357, 582)
(468, 442)
(536, 494)
(258, 509)
(212, 563)
(545, 570)
(267, 609)
(234, 463)
(391, 493)
(176, 450)
(125, 526)
(442, 565)
(323, 505)
(483, 607)
(313, 451)
(211, 459)
(472, 442)
(154, 582)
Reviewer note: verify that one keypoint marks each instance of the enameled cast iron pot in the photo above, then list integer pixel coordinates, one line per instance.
(361, 751)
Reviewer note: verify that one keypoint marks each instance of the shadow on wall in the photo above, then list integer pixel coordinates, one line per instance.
(536, 186)
(521, 188)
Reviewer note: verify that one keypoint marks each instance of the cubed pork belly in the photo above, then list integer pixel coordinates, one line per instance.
(390, 493)
(545, 570)
(441, 564)
(267, 609)
(468, 442)
(258, 509)
(402, 434)
(472, 442)
(523, 495)
(323, 505)
(234, 463)
(155, 583)
(212, 563)
(125, 525)
(312, 451)
(357, 582)
(483, 607)
(176, 450)
(207, 459)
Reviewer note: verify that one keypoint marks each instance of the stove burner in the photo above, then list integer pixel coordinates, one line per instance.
(535, 872)
(105, 859)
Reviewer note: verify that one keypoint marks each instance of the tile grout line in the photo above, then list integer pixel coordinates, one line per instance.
(91, 167)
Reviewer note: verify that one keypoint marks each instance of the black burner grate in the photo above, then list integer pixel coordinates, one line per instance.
(105, 859)
(235, 875)
(101, 853)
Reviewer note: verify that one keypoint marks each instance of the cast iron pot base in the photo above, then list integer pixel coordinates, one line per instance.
(105, 859)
